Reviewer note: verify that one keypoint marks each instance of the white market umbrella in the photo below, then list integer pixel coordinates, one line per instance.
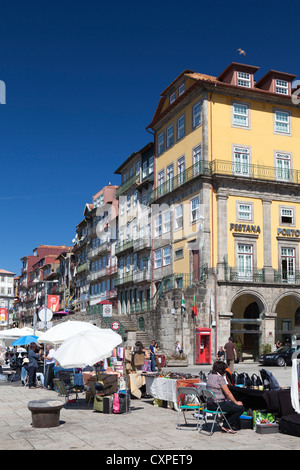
(9, 335)
(87, 348)
(59, 333)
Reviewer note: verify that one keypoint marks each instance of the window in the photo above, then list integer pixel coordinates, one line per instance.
(180, 127)
(195, 209)
(170, 176)
(160, 181)
(240, 115)
(197, 160)
(283, 166)
(170, 136)
(166, 256)
(181, 89)
(286, 216)
(128, 202)
(245, 261)
(178, 216)
(157, 226)
(281, 87)
(181, 170)
(179, 253)
(196, 115)
(167, 222)
(135, 198)
(241, 161)
(288, 264)
(157, 259)
(243, 79)
(244, 212)
(161, 143)
(282, 122)
(173, 97)
(128, 264)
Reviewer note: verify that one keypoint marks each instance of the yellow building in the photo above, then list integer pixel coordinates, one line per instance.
(227, 175)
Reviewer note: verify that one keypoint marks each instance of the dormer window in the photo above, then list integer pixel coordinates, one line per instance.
(172, 97)
(243, 79)
(282, 87)
(181, 89)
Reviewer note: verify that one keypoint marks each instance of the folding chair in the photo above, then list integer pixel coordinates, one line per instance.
(65, 390)
(183, 405)
(218, 414)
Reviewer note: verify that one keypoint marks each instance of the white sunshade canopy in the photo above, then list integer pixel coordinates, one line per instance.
(59, 333)
(87, 348)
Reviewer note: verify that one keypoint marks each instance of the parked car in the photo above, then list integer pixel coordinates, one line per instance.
(281, 357)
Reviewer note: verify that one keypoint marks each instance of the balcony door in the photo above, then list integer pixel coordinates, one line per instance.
(288, 264)
(245, 261)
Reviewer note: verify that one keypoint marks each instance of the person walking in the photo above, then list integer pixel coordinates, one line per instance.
(32, 365)
(231, 355)
(152, 355)
(50, 363)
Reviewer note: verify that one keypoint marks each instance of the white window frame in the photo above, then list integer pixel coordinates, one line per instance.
(290, 213)
(181, 127)
(197, 157)
(244, 210)
(245, 260)
(281, 87)
(170, 177)
(181, 89)
(167, 222)
(172, 97)
(240, 116)
(178, 216)
(241, 167)
(167, 256)
(180, 169)
(197, 114)
(288, 254)
(161, 143)
(195, 209)
(283, 166)
(157, 259)
(170, 136)
(158, 225)
(244, 79)
(279, 121)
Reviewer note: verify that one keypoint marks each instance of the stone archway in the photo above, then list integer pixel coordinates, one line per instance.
(247, 309)
(287, 308)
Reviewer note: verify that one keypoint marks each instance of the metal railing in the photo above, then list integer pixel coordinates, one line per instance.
(283, 277)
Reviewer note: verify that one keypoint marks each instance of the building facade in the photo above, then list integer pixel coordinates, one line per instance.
(227, 169)
(7, 295)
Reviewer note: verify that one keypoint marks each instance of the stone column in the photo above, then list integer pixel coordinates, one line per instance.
(221, 233)
(269, 271)
(268, 329)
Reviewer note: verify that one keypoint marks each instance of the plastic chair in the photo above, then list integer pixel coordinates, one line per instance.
(218, 414)
(183, 393)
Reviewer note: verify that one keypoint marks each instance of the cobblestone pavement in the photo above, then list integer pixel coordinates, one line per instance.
(146, 427)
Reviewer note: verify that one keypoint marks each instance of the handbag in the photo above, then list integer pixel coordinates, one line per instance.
(256, 381)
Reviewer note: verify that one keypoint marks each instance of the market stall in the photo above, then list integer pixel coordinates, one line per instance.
(164, 388)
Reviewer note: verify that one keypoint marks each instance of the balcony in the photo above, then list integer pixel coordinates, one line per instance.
(143, 306)
(284, 277)
(94, 253)
(142, 276)
(142, 243)
(124, 280)
(261, 172)
(134, 179)
(121, 246)
(200, 168)
(97, 275)
(250, 275)
(83, 267)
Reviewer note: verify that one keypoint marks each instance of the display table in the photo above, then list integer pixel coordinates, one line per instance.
(166, 389)
(273, 401)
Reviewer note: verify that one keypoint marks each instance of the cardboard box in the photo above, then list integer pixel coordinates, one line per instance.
(267, 428)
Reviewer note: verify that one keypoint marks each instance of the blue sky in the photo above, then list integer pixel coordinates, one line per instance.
(83, 80)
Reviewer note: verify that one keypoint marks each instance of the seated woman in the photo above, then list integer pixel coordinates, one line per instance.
(216, 382)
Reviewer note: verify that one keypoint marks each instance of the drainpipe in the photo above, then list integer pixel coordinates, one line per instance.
(212, 228)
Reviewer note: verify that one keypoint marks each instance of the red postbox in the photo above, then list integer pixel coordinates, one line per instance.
(202, 346)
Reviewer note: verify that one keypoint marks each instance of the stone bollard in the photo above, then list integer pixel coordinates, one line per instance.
(45, 413)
